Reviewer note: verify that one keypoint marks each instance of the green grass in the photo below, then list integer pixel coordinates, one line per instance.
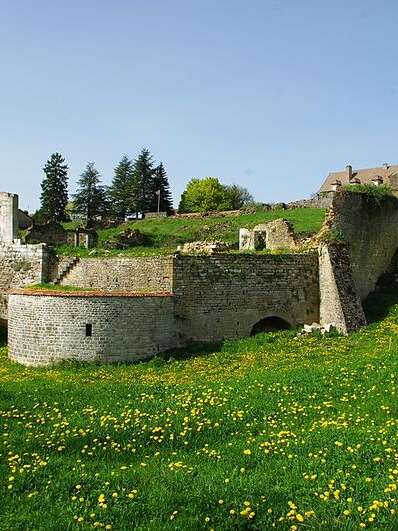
(56, 287)
(301, 431)
(165, 234)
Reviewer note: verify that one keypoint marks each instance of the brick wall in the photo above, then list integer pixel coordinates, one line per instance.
(46, 328)
(20, 265)
(143, 273)
(223, 296)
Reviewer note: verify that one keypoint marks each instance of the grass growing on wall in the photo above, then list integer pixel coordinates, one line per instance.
(263, 432)
(56, 287)
(165, 234)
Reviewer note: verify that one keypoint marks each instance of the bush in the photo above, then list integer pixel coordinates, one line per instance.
(209, 194)
(377, 192)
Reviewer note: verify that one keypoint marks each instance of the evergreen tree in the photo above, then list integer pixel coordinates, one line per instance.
(90, 199)
(54, 195)
(121, 193)
(143, 182)
(161, 186)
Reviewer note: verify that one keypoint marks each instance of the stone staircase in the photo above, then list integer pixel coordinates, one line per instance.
(65, 267)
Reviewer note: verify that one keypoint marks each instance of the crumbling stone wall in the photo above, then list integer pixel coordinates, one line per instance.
(369, 228)
(132, 274)
(47, 328)
(273, 235)
(8, 217)
(20, 265)
(224, 296)
(340, 304)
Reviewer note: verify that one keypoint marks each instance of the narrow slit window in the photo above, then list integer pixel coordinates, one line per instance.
(89, 330)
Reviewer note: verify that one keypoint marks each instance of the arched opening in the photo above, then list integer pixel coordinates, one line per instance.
(269, 324)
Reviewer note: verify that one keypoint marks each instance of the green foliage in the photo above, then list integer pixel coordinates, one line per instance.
(238, 196)
(56, 287)
(121, 191)
(378, 193)
(90, 199)
(332, 235)
(202, 195)
(166, 233)
(54, 195)
(162, 191)
(303, 431)
(143, 184)
(209, 194)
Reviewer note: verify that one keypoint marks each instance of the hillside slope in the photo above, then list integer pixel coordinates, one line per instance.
(165, 234)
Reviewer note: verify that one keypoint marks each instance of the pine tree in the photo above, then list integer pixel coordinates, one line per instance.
(121, 191)
(54, 195)
(142, 183)
(162, 187)
(90, 198)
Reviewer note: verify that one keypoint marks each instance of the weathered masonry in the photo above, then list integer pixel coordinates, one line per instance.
(138, 307)
(19, 264)
(209, 299)
(46, 327)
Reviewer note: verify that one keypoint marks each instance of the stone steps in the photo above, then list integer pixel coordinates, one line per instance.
(65, 269)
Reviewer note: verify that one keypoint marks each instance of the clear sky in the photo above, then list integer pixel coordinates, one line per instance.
(269, 94)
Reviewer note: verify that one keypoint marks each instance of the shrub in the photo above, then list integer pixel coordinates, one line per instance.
(376, 192)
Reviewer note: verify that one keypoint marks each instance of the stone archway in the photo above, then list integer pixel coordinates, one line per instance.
(270, 324)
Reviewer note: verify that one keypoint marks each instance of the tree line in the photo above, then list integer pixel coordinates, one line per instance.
(137, 186)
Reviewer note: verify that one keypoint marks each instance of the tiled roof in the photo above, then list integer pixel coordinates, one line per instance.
(388, 174)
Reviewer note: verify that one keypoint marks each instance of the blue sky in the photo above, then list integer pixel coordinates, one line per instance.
(269, 94)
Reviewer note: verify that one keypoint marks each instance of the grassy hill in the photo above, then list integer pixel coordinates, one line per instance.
(165, 234)
(270, 431)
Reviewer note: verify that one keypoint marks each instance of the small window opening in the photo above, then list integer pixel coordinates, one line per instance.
(89, 330)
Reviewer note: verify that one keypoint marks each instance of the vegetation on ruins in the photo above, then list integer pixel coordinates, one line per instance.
(203, 195)
(269, 431)
(90, 199)
(377, 193)
(54, 194)
(163, 235)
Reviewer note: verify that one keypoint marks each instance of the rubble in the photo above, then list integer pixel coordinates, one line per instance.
(201, 247)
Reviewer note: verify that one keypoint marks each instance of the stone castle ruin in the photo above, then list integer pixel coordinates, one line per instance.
(138, 307)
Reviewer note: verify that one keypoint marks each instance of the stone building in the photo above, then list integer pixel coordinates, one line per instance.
(386, 174)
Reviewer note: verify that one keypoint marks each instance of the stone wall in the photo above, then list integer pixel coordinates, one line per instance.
(20, 265)
(8, 217)
(224, 296)
(369, 228)
(340, 304)
(132, 274)
(46, 328)
(272, 235)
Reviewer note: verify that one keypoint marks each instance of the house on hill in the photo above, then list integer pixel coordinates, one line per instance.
(386, 174)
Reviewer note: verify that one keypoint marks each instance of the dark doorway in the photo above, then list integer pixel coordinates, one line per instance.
(269, 324)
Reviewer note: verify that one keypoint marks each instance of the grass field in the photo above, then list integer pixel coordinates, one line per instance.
(165, 234)
(267, 432)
